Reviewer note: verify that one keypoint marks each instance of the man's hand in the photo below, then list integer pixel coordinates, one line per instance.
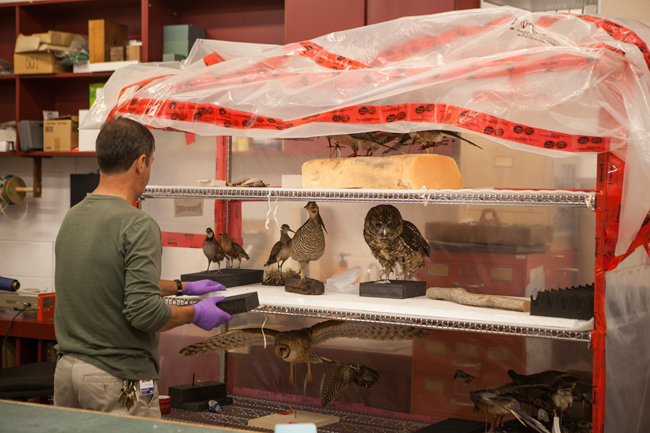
(207, 315)
(201, 287)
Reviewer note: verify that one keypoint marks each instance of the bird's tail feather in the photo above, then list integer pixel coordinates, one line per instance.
(526, 419)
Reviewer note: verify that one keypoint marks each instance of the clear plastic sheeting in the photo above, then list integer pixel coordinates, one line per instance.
(628, 346)
(547, 83)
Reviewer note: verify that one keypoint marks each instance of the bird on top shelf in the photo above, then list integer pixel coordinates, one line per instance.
(280, 251)
(394, 240)
(212, 249)
(368, 141)
(233, 250)
(295, 346)
(344, 375)
(308, 243)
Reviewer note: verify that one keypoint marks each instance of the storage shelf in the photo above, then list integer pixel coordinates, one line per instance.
(421, 312)
(31, 154)
(502, 197)
(66, 75)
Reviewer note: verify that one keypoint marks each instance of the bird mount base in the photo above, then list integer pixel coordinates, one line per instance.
(454, 425)
(394, 289)
(201, 405)
(228, 277)
(237, 304)
(309, 287)
(192, 396)
(299, 417)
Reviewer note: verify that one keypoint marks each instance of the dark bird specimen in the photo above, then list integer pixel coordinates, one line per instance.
(500, 405)
(460, 375)
(393, 240)
(212, 249)
(560, 383)
(344, 375)
(233, 250)
(368, 141)
(308, 244)
(280, 251)
(426, 139)
(295, 346)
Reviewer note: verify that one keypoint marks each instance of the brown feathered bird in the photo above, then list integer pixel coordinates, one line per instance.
(500, 404)
(308, 244)
(280, 251)
(393, 240)
(461, 376)
(295, 346)
(212, 249)
(344, 375)
(233, 250)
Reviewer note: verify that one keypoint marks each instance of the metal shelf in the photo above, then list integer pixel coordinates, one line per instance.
(557, 198)
(419, 312)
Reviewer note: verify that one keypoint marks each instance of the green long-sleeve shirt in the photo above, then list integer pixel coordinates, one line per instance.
(108, 305)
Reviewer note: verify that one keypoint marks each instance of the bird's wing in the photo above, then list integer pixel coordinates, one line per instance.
(239, 249)
(231, 340)
(329, 329)
(414, 238)
(528, 420)
(453, 134)
(274, 251)
(340, 380)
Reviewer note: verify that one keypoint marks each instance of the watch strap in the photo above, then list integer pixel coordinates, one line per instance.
(179, 287)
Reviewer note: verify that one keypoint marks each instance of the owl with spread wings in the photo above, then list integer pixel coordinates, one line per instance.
(394, 240)
(295, 346)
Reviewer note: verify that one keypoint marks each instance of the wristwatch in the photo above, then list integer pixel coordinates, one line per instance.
(179, 285)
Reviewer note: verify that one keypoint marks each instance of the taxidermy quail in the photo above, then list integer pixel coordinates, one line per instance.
(233, 250)
(212, 249)
(295, 346)
(280, 251)
(344, 375)
(308, 244)
(393, 240)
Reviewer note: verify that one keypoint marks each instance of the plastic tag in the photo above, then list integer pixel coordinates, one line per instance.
(556, 425)
(146, 387)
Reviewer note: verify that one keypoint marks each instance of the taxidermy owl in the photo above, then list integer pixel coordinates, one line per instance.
(295, 346)
(393, 240)
(344, 375)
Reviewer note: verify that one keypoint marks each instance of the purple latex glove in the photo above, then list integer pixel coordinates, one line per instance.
(201, 287)
(207, 315)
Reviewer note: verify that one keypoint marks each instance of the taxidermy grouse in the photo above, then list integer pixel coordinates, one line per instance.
(499, 403)
(233, 250)
(212, 249)
(280, 251)
(393, 240)
(308, 244)
(295, 346)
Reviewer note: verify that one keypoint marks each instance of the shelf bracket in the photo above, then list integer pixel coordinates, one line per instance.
(37, 164)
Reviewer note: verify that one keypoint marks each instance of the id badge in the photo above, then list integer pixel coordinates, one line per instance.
(146, 387)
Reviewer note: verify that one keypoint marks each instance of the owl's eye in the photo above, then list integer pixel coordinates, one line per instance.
(390, 224)
(377, 224)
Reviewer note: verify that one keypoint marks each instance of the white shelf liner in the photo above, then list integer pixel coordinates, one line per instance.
(421, 307)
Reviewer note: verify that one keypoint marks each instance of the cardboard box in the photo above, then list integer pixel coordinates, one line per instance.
(61, 135)
(102, 35)
(36, 63)
(134, 52)
(50, 41)
(117, 54)
(183, 32)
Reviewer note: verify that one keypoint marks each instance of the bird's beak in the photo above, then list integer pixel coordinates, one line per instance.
(291, 231)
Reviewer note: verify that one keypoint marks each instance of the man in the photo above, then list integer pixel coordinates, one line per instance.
(109, 307)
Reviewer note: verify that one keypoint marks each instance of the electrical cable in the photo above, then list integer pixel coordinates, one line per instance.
(9, 327)
(2, 209)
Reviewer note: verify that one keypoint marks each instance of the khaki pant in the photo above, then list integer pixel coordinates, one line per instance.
(80, 385)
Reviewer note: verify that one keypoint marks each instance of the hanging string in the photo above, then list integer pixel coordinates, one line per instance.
(268, 198)
(264, 335)
(2, 209)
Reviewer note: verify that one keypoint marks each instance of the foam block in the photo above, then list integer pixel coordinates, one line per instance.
(388, 172)
(396, 289)
(228, 277)
(237, 304)
(198, 392)
(199, 405)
